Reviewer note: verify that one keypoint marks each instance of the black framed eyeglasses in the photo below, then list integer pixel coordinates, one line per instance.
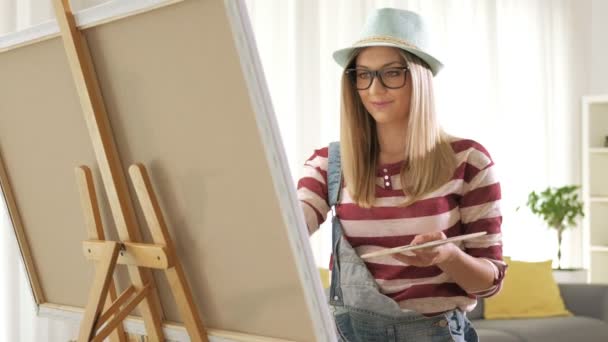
(390, 77)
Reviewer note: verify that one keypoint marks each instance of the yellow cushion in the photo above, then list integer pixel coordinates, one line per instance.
(324, 273)
(528, 290)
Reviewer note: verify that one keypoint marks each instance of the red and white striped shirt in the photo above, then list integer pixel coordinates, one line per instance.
(468, 203)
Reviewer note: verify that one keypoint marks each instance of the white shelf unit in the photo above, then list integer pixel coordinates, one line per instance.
(595, 187)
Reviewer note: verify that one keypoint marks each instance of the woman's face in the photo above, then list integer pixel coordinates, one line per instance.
(386, 106)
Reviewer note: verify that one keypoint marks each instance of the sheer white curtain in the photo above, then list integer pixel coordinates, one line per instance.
(512, 79)
(514, 73)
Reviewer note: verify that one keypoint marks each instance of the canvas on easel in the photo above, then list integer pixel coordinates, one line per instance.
(188, 109)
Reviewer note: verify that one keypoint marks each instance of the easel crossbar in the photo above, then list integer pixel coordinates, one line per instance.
(121, 315)
(115, 306)
(132, 253)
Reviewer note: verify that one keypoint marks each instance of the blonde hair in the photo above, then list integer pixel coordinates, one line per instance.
(430, 160)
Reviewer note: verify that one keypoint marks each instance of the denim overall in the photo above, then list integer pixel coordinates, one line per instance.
(361, 312)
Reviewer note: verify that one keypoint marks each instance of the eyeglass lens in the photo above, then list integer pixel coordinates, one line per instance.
(389, 77)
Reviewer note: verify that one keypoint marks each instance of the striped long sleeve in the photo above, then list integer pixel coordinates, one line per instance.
(312, 190)
(480, 210)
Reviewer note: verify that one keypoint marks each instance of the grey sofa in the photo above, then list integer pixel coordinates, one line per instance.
(588, 303)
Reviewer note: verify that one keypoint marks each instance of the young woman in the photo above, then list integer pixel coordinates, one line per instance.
(397, 178)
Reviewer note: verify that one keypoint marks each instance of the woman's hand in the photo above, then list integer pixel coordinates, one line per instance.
(429, 256)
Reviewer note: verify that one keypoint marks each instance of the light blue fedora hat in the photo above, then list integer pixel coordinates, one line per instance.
(402, 29)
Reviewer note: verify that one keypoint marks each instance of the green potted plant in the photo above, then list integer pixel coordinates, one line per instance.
(559, 208)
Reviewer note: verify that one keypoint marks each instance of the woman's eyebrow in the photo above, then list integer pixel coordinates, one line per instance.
(387, 64)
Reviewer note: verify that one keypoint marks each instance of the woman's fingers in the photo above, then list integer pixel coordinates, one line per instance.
(410, 260)
(421, 258)
(422, 238)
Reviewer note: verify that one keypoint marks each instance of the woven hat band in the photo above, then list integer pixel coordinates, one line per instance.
(385, 39)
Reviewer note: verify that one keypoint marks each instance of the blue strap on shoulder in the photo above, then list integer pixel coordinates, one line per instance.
(334, 174)
(334, 187)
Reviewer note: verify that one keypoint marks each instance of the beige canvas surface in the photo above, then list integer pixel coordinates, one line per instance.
(177, 102)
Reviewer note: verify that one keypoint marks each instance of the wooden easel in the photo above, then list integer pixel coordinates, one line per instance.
(139, 257)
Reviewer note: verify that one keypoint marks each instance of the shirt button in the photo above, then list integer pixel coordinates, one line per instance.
(385, 170)
(385, 177)
(443, 323)
(387, 184)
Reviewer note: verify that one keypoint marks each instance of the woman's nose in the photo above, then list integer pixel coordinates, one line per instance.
(377, 86)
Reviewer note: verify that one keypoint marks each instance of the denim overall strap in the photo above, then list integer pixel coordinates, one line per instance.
(334, 187)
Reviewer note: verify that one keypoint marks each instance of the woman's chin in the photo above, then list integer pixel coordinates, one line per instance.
(386, 117)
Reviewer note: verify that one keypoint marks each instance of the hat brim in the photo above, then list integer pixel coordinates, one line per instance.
(343, 56)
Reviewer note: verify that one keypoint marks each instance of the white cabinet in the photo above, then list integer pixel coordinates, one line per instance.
(595, 186)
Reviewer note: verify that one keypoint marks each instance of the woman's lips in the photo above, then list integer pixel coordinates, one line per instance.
(381, 104)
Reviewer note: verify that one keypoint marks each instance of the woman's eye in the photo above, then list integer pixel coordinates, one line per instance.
(392, 73)
(363, 75)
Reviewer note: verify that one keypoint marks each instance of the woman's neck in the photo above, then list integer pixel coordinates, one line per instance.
(391, 139)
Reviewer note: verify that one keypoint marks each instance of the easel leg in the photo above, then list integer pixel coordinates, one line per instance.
(99, 291)
(90, 207)
(160, 234)
(185, 303)
(118, 335)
